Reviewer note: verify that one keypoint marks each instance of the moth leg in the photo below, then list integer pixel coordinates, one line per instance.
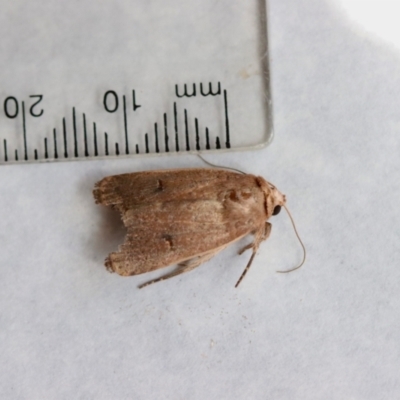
(184, 266)
(194, 262)
(267, 231)
(248, 246)
(259, 237)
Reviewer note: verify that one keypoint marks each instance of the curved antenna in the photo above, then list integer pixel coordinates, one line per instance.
(301, 242)
(219, 166)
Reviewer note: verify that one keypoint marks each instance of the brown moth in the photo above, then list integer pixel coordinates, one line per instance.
(186, 216)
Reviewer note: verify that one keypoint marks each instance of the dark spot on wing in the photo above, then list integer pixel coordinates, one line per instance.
(160, 185)
(238, 196)
(168, 238)
(245, 195)
(233, 195)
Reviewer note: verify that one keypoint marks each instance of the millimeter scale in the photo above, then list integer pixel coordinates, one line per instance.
(87, 79)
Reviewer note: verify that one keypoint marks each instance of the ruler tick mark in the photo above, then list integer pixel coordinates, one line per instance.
(125, 126)
(146, 139)
(95, 140)
(166, 133)
(65, 139)
(24, 131)
(5, 150)
(46, 154)
(106, 143)
(186, 131)
(55, 143)
(228, 140)
(85, 135)
(75, 137)
(176, 127)
(156, 137)
(196, 124)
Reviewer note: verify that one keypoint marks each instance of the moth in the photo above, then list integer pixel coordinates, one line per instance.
(186, 216)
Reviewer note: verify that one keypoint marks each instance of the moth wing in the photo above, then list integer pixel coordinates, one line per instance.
(174, 216)
(171, 233)
(135, 189)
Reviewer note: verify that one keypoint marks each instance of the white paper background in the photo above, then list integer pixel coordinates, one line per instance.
(330, 330)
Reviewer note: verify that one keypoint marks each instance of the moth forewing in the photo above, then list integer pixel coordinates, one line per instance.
(185, 216)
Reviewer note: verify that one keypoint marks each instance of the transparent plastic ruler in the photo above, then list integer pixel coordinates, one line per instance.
(88, 79)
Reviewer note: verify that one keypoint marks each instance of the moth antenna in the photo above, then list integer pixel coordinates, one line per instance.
(301, 242)
(246, 269)
(220, 166)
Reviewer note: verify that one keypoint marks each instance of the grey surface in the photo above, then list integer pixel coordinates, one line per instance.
(330, 330)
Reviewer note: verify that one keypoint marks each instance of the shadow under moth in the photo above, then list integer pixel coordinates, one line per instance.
(186, 216)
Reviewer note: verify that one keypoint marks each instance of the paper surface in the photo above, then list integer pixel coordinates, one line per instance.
(69, 329)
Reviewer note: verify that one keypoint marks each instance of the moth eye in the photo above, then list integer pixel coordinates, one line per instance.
(277, 210)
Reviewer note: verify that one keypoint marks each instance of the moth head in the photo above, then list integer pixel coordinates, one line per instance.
(274, 199)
